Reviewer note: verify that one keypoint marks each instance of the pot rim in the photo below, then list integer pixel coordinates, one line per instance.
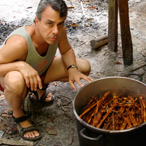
(99, 129)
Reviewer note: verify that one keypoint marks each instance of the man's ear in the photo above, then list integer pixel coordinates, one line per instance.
(36, 20)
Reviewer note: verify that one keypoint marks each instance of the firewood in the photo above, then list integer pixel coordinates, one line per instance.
(128, 122)
(112, 112)
(99, 42)
(123, 125)
(87, 110)
(105, 116)
(142, 107)
(15, 142)
(96, 119)
(131, 117)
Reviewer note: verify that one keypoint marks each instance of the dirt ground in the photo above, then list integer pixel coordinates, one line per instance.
(57, 122)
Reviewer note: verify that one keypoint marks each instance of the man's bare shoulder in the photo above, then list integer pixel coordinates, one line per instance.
(15, 48)
(16, 40)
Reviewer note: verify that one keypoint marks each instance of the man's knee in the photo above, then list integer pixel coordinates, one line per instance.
(84, 66)
(13, 81)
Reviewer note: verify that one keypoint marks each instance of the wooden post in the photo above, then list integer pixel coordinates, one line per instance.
(125, 32)
(112, 24)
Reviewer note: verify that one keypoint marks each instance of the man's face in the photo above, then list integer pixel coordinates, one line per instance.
(50, 25)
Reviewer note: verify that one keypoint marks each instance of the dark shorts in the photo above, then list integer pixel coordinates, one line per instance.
(1, 88)
(42, 76)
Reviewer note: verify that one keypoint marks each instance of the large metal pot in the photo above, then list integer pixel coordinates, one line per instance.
(92, 136)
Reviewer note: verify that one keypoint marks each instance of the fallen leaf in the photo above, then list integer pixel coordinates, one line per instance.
(29, 7)
(118, 62)
(70, 7)
(75, 25)
(87, 3)
(92, 8)
(90, 19)
(51, 131)
(87, 25)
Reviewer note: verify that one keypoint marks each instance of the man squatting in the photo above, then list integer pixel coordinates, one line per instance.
(27, 62)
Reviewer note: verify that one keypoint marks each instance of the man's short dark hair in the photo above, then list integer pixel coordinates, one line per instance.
(57, 5)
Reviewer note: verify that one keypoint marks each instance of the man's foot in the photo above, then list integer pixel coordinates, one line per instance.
(26, 130)
(40, 97)
(30, 134)
(48, 97)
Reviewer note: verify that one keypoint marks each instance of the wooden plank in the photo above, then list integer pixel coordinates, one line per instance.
(16, 142)
(125, 32)
(99, 42)
(112, 25)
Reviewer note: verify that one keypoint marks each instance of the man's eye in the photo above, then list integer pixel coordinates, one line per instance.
(49, 24)
(61, 24)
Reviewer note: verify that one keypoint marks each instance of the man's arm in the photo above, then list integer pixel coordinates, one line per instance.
(69, 58)
(12, 56)
(66, 50)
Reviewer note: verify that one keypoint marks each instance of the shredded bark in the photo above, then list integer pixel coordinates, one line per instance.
(112, 112)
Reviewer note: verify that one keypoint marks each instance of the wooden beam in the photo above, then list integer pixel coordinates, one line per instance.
(16, 142)
(95, 44)
(125, 32)
(112, 25)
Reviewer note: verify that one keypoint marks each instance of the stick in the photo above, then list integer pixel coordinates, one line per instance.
(138, 67)
(131, 117)
(101, 100)
(128, 122)
(123, 125)
(99, 42)
(105, 116)
(15, 142)
(87, 110)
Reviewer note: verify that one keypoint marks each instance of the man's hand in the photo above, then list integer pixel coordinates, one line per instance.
(76, 76)
(31, 76)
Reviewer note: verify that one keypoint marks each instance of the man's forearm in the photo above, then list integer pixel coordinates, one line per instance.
(7, 67)
(69, 58)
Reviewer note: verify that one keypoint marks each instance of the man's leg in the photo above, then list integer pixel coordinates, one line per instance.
(15, 92)
(58, 71)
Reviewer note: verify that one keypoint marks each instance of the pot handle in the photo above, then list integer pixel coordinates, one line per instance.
(140, 76)
(94, 140)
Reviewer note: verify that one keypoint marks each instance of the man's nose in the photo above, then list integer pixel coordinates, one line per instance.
(55, 30)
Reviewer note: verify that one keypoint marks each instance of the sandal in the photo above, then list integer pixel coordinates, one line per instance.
(22, 131)
(39, 102)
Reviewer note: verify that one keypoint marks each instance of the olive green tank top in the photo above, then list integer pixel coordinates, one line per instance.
(38, 62)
